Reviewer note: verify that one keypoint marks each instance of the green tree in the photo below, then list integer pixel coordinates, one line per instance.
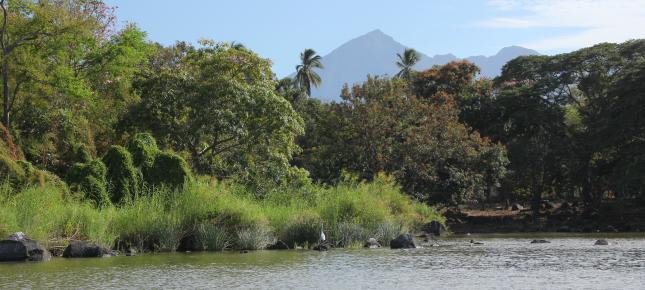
(218, 104)
(417, 139)
(406, 63)
(306, 76)
(41, 28)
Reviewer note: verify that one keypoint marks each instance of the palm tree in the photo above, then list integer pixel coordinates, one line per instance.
(406, 61)
(305, 75)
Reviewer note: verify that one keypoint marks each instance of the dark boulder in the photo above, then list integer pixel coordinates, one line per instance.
(517, 206)
(372, 243)
(540, 242)
(321, 247)
(279, 245)
(434, 227)
(404, 241)
(19, 247)
(84, 249)
(601, 243)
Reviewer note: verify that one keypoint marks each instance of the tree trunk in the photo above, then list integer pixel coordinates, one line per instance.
(5, 90)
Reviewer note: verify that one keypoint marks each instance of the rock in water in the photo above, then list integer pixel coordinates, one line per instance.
(19, 247)
(279, 245)
(403, 242)
(540, 242)
(601, 243)
(372, 243)
(321, 247)
(83, 249)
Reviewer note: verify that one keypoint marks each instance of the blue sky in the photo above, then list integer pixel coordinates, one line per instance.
(280, 30)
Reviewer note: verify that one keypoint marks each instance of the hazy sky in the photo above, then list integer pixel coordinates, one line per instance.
(280, 30)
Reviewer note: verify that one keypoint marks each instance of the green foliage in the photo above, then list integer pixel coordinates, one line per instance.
(302, 230)
(388, 231)
(213, 237)
(254, 237)
(90, 179)
(122, 176)
(306, 76)
(12, 171)
(218, 104)
(81, 154)
(143, 148)
(405, 63)
(379, 127)
(168, 169)
(218, 215)
(349, 235)
(47, 215)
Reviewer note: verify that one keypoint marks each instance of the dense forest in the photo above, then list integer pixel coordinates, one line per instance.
(108, 136)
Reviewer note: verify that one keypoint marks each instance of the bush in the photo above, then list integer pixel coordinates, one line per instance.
(168, 169)
(219, 214)
(254, 237)
(388, 231)
(121, 174)
(212, 237)
(302, 230)
(90, 179)
(347, 234)
(46, 215)
(80, 153)
(11, 171)
(143, 148)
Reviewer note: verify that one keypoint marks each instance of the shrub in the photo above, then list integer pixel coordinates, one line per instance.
(213, 237)
(90, 179)
(254, 237)
(143, 148)
(302, 230)
(121, 174)
(12, 171)
(45, 214)
(168, 169)
(168, 234)
(347, 234)
(80, 153)
(388, 231)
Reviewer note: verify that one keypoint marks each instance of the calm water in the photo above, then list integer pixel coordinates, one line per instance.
(502, 262)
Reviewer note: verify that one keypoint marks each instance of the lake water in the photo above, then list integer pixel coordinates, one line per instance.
(502, 262)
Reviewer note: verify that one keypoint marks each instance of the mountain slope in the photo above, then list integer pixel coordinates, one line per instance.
(375, 53)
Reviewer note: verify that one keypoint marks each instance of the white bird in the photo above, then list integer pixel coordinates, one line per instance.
(322, 234)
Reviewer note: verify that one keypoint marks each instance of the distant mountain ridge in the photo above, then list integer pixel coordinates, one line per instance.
(375, 54)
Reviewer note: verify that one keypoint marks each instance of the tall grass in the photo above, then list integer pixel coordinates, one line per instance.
(217, 215)
(212, 237)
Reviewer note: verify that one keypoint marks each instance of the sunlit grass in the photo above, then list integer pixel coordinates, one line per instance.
(218, 215)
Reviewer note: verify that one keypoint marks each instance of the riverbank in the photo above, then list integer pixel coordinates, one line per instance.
(208, 215)
(612, 216)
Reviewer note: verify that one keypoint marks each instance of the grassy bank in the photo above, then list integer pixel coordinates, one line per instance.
(211, 215)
